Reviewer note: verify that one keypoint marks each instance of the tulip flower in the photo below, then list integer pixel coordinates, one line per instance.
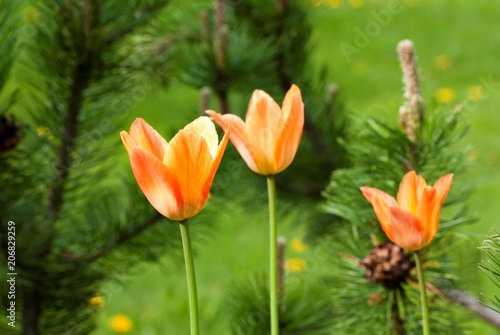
(268, 142)
(412, 220)
(175, 177)
(270, 137)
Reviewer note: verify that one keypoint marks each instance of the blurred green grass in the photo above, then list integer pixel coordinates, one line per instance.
(465, 32)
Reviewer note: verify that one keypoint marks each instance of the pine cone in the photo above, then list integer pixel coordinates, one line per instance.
(387, 264)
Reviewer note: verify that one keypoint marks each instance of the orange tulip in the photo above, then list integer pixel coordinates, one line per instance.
(270, 137)
(175, 177)
(412, 221)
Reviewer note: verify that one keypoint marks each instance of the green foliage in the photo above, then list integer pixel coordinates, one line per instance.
(380, 154)
(78, 222)
(361, 305)
(303, 309)
(491, 266)
(262, 44)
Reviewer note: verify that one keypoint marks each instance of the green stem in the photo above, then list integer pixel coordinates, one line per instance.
(273, 256)
(191, 278)
(423, 295)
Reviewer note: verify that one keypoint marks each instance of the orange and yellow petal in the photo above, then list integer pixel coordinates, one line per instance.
(407, 193)
(238, 135)
(405, 230)
(442, 187)
(204, 127)
(158, 183)
(264, 123)
(289, 139)
(371, 192)
(188, 157)
(217, 160)
(147, 138)
(425, 214)
(382, 211)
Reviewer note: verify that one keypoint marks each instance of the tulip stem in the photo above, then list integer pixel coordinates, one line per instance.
(191, 278)
(423, 294)
(273, 256)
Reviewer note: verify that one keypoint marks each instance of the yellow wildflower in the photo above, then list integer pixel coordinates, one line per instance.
(298, 245)
(97, 301)
(334, 3)
(295, 265)
(475, 92)
(441, 62)
(121, 323)
(445, 95)
(42, 130)
(411, 3)
(356, 3)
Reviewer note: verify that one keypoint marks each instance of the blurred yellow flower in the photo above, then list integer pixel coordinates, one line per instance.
(475, 92)
(298, 245)
(334, 3)
(473, 154)
(411, 3)
(445, 95)
(316, 2)
(295, 265)
(42, 130)
(97, 301)
(30, 14)
(121, 323)
(356, 3)
(441, 62)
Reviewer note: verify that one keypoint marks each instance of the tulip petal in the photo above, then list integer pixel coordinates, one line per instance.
(147, 138)
(405, 230)
(204, 127)
(217, 160)
(370, 192)
(238, 135)
(407, 193)
(426, 214)
(188, 157)
(128, 141)
(442, 186)
(289, 139)
(157, 182)
(264, 121)
(382, 211)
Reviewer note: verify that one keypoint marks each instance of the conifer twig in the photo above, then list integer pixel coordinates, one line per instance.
(123, 238)
(411, 112)
(471, 303)
(141, 20)
(205, 99)
(220, 50)
(281, 267)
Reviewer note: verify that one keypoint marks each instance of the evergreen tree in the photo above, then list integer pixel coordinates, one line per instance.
(77, 222)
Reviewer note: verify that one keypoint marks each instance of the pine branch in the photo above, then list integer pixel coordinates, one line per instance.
(470, 302)
(31, 311)
(123, 238)
(80, 81)
(145, 17)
